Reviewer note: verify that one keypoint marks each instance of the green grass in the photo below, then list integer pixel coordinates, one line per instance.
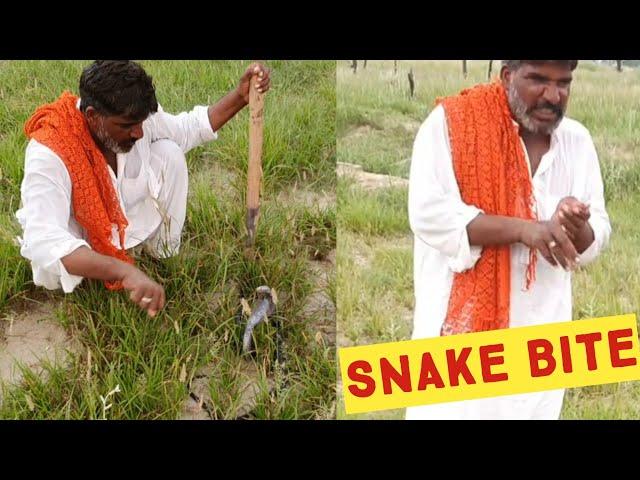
(153, 360)
(375, 296)
(376, 125)
(379, 212)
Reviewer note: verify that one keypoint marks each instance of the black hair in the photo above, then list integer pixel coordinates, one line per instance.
(516, 64)
(118, 87)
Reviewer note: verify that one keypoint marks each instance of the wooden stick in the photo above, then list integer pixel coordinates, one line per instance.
(256, 107)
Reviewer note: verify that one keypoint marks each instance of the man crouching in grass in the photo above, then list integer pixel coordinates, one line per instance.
(106, 171)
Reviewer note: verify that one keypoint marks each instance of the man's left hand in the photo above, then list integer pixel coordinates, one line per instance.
(262, 85)
(572, 215)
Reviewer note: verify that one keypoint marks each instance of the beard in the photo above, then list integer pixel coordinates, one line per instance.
(522, 113)
(109, 142)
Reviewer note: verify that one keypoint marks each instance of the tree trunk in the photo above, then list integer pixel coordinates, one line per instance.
(412, 83)
(395, 67)
(489, 71)
(354, 65)
(619, 65)
(464, 68)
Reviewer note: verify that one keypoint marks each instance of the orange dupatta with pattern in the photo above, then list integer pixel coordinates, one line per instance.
(491, 170)
(63, 128)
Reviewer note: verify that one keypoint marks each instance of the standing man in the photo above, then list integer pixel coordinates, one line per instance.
(505, 201)
(106, 171)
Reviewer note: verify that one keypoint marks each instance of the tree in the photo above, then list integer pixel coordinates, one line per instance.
(354, 65)
(412, 83)
(619, 65)
(489, 71)
(464, 68)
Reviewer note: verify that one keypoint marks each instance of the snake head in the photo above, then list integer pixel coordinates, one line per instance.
(264, 292)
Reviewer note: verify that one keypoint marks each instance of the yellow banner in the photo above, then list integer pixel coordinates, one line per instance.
(490, 364)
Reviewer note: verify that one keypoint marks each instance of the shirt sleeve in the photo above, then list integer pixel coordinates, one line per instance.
(187, 129)
(437, 214)
(592, 193)
(44, 217)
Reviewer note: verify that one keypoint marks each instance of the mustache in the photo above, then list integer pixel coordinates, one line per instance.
(557, 109)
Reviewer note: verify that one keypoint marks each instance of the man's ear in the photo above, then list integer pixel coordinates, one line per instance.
(505, 76)
(92, 116)
(90, 112)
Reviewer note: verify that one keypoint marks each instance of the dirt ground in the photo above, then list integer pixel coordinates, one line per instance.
(32, 337)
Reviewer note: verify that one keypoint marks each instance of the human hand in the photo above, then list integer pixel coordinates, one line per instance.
(262, 84)
(553, 243)
(572, 215)
(144, 292)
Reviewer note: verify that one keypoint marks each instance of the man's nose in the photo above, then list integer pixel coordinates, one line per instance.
(552, 94)
(136, 132)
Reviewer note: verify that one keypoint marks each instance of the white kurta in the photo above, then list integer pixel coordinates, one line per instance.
(151, 185)
(439, 218)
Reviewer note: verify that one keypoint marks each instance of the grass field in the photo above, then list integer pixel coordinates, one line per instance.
(376, 124)
(145, 368)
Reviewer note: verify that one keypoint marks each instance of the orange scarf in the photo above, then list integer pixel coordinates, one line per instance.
(63, 128)
(492, 174)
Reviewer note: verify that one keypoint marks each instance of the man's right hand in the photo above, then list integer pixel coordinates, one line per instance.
(551, 241)
(144, 292)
